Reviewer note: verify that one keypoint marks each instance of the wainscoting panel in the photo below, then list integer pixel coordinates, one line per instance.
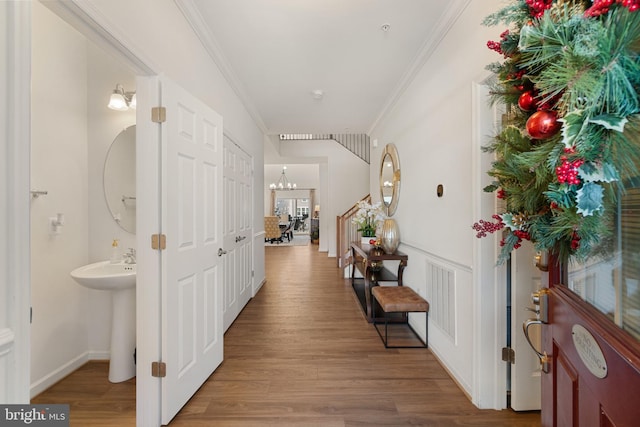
(441, 293)
(7, 340)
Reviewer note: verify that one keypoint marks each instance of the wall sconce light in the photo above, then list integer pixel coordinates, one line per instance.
(121, 100)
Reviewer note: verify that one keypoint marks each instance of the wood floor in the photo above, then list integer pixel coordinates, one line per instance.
(300, 354)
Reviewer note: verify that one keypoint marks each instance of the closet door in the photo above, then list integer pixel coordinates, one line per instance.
(191, 218)
(238, 262)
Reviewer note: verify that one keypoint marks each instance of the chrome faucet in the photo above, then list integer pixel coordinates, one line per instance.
(130, 256)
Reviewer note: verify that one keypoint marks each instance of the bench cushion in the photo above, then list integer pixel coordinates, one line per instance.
(393, 299)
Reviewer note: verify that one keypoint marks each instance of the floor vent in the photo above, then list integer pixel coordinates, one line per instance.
(441, 292)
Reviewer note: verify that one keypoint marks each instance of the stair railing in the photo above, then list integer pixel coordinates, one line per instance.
(357, 143)
(347, 232)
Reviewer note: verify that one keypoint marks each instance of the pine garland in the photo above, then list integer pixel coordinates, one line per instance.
(570, 80)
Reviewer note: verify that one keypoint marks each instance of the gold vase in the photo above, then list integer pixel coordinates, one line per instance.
(390, 236)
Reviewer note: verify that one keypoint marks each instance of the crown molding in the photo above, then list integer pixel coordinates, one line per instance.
(85, 17)
(451, 15)
(201, 29)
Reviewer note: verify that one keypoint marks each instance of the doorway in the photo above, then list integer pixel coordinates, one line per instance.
(72, 131)
(500, 309)
(296, 210)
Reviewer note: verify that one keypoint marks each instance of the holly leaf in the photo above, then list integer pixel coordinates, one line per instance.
(490, 188)
(591, 172)
(610, 122)
(574, 122)
(507, 218)
(589, 199)
(560, 194)
(610, 173)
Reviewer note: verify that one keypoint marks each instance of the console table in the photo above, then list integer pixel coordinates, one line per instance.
(361, 260)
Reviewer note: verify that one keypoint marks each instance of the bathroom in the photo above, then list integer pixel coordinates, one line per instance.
(72, 131)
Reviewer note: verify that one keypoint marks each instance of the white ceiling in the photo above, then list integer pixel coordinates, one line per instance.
(275, 53)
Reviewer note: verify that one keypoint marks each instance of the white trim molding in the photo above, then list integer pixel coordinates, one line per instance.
(489, 281)
(197, 23)
(456, 7)
(15, 111)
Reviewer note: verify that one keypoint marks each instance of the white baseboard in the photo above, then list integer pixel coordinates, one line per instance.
(53, 377)
(99, 355)
(257, 289)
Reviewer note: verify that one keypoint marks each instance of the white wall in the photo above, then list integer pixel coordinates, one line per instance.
(431, 125)
(158, 33)
(103, 125)
(75, 138)
(59, 339)
(343, 180)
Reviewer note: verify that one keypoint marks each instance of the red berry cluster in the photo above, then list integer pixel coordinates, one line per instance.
(520, 234)
(494, 46)
(497, 46)
(483, 227)
(537, 7)
(568, 171)
(600, 7)
(517, 76)
(575, 241)
(501, 194)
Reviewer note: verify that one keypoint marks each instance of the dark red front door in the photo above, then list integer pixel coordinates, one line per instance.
(571, 394)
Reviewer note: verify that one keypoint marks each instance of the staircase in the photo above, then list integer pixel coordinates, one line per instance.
(357, 143)
(347, 232)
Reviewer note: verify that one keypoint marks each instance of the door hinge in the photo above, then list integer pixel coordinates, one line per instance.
(158, 369)
(508, 355)
(159, 241)
(158, 114)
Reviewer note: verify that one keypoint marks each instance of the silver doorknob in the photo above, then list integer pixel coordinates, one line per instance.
(221, 252)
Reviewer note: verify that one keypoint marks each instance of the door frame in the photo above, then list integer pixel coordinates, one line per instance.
(489, 389)
(15, 254)
(16, 110)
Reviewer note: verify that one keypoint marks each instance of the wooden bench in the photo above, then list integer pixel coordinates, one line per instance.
(399, 299)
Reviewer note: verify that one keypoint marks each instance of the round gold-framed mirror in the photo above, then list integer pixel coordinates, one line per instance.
(390, 178)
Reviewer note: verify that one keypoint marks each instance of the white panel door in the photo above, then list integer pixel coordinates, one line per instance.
(238, 220)
(525, 372)
(191, 188)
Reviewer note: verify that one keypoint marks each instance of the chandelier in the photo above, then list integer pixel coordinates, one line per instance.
(283, 183)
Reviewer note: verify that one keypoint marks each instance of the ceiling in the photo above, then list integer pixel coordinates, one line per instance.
(276, 53)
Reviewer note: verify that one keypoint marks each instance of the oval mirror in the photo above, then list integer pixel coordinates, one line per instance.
(119, 179)
(390, 178)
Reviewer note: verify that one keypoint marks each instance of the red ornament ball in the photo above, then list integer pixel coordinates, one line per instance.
(527, 102)
(543, 124)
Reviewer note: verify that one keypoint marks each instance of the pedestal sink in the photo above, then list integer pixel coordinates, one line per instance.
(120, 280)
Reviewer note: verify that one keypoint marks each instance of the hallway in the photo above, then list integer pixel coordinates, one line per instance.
(301, 354)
